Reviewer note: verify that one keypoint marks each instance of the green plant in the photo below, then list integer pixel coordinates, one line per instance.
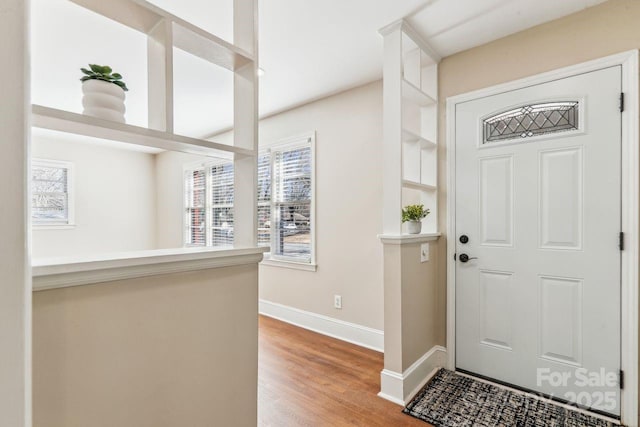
(414, 213)
(104, 73)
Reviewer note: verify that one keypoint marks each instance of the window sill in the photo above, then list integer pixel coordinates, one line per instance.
(288, 264)
(53, 226)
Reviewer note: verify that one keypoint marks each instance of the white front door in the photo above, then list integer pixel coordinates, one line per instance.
(538, 204)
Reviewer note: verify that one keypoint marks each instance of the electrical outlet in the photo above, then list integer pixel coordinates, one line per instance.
(337, 301)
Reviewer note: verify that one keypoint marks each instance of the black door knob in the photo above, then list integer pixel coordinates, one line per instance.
(465, 258)
(464, 239)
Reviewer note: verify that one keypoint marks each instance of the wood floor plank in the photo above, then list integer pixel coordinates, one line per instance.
(308, 379)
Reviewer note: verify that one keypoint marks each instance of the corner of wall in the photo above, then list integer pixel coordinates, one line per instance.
(400, 388)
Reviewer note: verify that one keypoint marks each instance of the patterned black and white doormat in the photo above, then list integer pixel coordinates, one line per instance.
(454, 400)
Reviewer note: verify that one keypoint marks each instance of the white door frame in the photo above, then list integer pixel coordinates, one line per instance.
(630, 211)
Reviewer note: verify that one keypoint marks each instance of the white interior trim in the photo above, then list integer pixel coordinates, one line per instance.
(64, 272)
(406, 239)
(400, 388)
(630, 210)
(346, 331)
(15, 226)
(422, 43)
(304, 266)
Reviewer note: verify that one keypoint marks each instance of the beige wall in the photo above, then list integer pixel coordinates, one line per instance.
(173, 350)
(606, 29)
(348, 210)
(114, 200)
(411, 301)
(420, 310)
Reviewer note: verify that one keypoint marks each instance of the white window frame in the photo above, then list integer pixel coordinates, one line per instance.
(299, 141)
(302, 140)
(268, 203)
(208, 204)
(71, 218)
(192, 167)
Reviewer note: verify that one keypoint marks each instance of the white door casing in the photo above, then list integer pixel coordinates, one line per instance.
(630, 211)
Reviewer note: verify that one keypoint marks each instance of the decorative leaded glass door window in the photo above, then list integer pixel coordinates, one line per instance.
(531, 120)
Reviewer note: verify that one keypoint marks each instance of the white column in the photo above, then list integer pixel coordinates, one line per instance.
(160, 75)
(245, 126)
(392, 133)
(15, 274)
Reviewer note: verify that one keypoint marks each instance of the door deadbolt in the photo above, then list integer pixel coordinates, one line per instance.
(464, 239)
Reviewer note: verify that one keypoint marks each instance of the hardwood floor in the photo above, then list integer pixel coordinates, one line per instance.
(308, 379)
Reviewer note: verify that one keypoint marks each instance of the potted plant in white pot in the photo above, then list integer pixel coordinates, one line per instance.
(103, 93)
(413, 215)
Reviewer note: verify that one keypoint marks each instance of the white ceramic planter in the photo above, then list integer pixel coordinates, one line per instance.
(103, 100)
(414, 227)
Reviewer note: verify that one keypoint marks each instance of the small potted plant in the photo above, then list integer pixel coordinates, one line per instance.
(413, 215)
(103, 93)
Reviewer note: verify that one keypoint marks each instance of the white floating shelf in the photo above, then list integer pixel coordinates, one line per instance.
(408, 239)
(78, 124)
(413, 94)
(143, 16)
(418, 186)
(408, 136)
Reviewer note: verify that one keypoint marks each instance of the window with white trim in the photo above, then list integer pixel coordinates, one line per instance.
(221, 195)
(52, 193)
(291, 202)
(264, 199)
(209, 205)
(285, 202)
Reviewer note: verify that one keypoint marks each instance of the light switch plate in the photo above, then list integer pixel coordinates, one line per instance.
(424, 252)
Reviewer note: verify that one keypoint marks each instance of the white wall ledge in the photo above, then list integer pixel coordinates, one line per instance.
(408, 239)
(62, 272)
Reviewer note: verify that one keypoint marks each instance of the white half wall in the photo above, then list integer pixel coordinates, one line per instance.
(115, 199)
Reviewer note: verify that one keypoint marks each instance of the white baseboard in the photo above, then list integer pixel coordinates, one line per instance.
(350, 332)
(400, 388)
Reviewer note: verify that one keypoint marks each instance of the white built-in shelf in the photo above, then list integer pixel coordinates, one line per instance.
(207, 46)
(418, 186)
(145, 17)
(413, 94)
(65, 121)
(408, 136)
(407, 239)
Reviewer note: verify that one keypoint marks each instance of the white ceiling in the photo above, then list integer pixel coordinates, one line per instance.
(308, 49)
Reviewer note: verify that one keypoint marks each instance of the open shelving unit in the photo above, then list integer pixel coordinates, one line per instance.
(165, 32)
(410, 127)
(79, 124)
(410, 176)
